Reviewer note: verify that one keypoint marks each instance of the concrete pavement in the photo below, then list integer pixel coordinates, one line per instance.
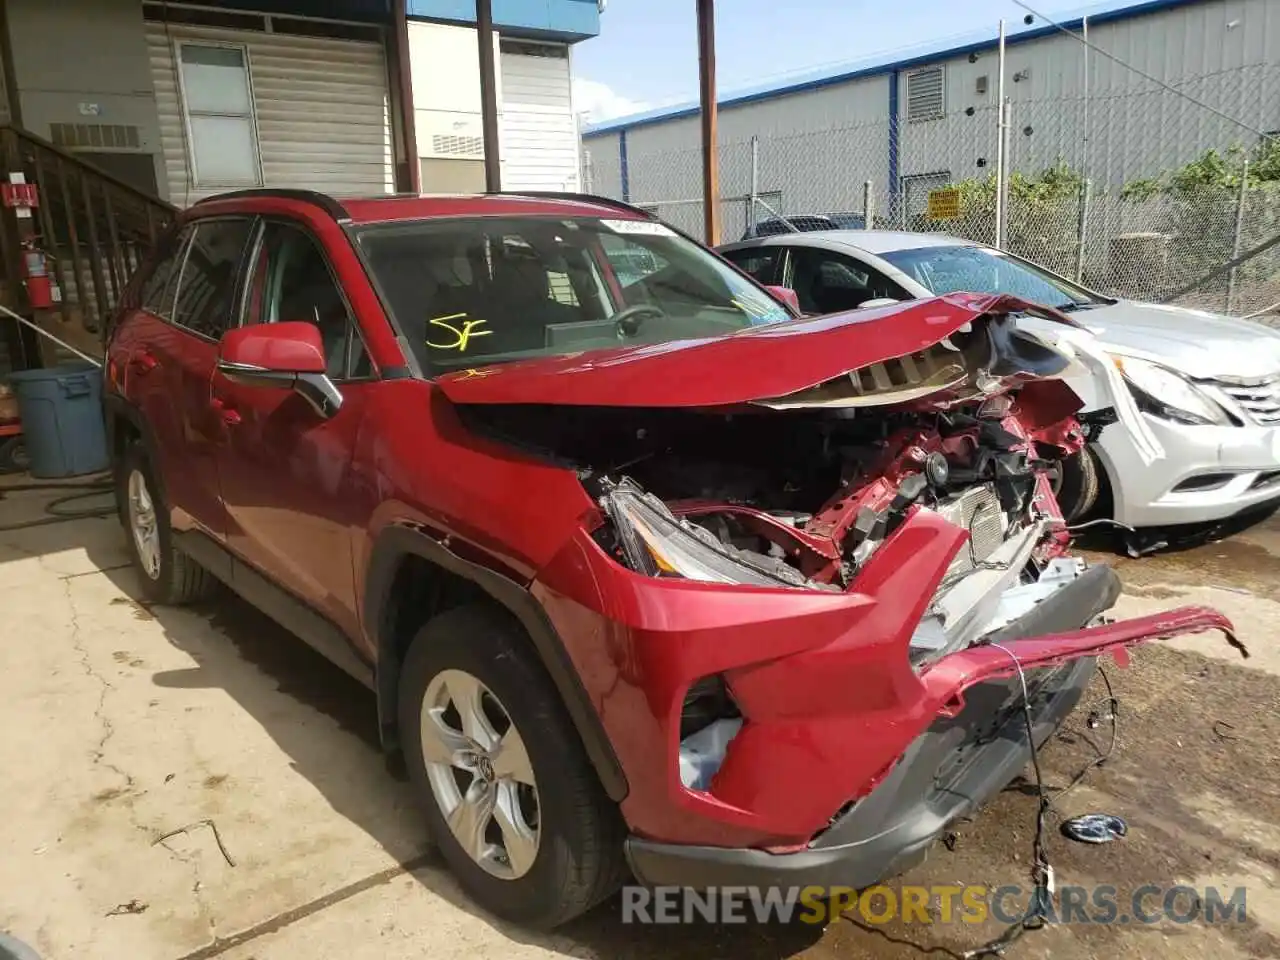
(131, 733)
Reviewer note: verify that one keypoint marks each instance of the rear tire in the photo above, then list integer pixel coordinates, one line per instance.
(1078, 483)
(168, 576)
(561, 852)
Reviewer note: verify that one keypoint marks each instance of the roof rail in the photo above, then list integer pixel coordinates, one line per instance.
(322, 200)
(588, 197)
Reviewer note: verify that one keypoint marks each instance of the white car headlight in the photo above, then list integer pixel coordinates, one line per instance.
(1167, 394)
(661, 545)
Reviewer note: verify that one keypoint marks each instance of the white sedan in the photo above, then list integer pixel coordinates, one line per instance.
(1198, 393)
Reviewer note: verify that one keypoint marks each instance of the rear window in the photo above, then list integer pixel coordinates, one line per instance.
(472, 291)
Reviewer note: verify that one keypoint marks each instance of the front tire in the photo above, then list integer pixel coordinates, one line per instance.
(503, 780)
(1076, 485)
(167, 575)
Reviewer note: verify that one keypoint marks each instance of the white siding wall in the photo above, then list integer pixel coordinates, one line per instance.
(444, 64)
(539, 132)
(322, 110)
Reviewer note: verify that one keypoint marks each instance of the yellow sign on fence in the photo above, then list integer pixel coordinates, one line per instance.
(944, 204)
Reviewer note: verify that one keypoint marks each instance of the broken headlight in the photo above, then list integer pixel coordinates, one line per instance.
(656, 542)
(1167, 394)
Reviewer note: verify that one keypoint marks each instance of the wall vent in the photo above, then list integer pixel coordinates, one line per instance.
(924, 94)
(455, 146)
(95, 136)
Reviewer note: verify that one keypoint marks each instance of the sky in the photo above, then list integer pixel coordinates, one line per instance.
(647, 53)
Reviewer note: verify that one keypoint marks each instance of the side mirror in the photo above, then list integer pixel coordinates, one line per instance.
(787, 296)
(288, 356)
(878, 302)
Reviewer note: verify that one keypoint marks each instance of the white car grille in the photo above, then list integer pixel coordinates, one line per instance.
(1260, 402)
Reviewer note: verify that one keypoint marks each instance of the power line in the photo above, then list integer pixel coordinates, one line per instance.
(1142, 73)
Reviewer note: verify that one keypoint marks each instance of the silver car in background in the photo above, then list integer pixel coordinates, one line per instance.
(1197, 394)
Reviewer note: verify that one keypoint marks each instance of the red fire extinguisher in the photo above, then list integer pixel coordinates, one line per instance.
(36, 277)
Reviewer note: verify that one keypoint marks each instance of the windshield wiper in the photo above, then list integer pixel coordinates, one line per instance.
(1071, 306)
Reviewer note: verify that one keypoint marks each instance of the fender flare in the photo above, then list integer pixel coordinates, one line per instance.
(397, 542)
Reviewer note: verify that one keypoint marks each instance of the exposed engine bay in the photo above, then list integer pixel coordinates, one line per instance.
(800, 491)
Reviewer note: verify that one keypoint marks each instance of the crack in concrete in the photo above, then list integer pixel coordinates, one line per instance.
(105, 686)
(197, 888)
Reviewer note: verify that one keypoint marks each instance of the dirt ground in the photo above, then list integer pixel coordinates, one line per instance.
(192, 784)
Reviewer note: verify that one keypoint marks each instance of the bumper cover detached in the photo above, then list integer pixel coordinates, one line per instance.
(975, 747)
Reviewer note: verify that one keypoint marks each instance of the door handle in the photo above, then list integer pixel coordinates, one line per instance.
(229, 415)
(143, 362)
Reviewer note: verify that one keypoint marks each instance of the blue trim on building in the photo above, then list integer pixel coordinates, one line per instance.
(569, 20)
(895, 182)
(624, 168)
(1100, 13)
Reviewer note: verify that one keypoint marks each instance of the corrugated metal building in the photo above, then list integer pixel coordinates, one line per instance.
(927, 117)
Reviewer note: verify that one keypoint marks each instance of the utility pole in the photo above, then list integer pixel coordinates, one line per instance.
(1001, 159)
(710, 149)
(488, 96)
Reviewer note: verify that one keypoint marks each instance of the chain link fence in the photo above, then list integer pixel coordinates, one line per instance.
(1133, 187)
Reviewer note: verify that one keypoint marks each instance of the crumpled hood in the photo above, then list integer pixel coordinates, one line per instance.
(757, 364)
(1199, 344)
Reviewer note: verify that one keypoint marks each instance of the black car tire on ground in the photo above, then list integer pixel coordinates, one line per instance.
(580, 859)
(13, 455)
(180, 579)
(1077, 484)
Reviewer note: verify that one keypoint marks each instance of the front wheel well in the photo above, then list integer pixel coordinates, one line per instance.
(412, 578)
(419, 591)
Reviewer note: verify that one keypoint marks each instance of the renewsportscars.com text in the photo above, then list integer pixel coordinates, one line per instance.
(939, 904)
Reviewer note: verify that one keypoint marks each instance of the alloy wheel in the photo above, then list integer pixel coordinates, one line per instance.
(480, 774)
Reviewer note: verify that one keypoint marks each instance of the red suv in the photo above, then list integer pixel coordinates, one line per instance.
(645, 572)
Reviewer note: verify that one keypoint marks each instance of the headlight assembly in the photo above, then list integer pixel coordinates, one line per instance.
(1166, 394)
(657, 543)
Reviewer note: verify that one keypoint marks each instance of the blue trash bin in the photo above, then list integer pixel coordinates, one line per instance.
(62, 424)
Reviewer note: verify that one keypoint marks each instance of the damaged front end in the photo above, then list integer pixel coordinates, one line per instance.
(804, 586)
(966, 430)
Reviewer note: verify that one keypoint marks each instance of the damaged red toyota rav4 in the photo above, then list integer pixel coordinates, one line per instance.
(646, 573)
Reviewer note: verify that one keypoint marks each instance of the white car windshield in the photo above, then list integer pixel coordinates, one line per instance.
(948, 269)
(468, 291)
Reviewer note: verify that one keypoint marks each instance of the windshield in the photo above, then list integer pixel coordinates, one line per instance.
(473, 291)
(981, 270)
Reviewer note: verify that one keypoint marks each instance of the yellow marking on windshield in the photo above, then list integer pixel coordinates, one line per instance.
(461, 336)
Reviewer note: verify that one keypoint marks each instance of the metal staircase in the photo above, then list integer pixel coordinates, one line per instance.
(94, 229)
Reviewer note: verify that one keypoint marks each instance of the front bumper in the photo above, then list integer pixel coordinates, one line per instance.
(947, 773)
(1206, 473)
(830, 702)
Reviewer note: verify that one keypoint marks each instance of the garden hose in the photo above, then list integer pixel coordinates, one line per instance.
(56, 510)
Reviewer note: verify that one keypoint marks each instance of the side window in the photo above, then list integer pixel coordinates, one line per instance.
(828, 282)
(156, 295)
(761, 262)
(205, 302)
(291, 281)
